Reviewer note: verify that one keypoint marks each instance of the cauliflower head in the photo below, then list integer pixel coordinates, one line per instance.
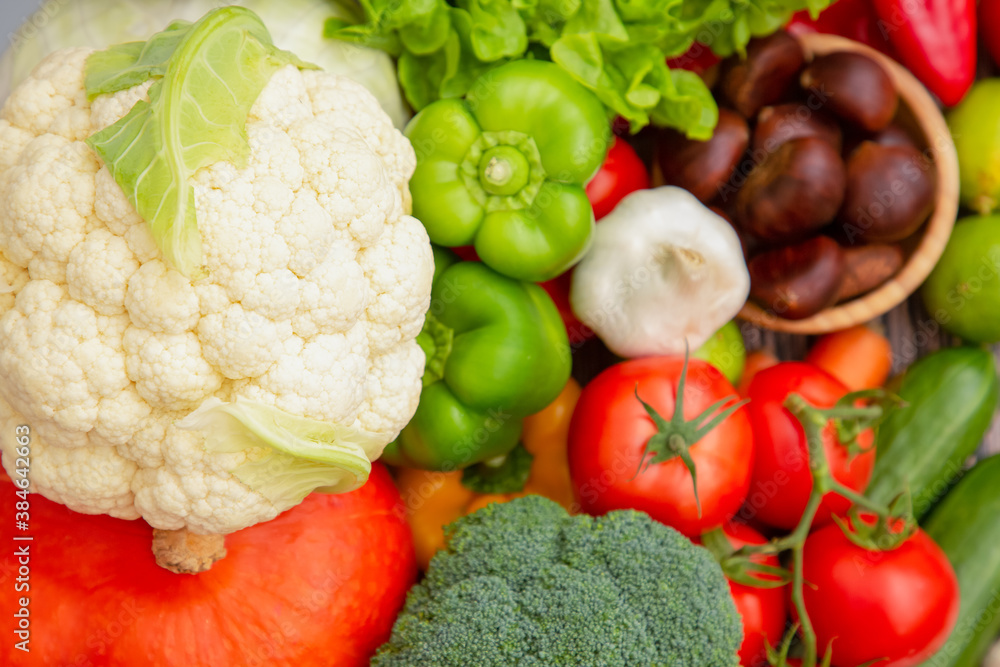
(216, 403)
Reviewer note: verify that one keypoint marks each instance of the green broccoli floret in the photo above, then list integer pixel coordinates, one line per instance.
(524, 584)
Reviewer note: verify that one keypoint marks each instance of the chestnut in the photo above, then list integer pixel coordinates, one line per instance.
(798, 281)
(868, 266)
(778, 124)
(892, 135)
(703, 167)
(890, 193)
(794, 192)
(854, 87)
(765, 76)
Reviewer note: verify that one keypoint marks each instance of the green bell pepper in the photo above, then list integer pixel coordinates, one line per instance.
(497, 351)
(505, 169)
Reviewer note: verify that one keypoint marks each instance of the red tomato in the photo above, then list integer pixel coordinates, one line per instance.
(782, 481)
(900, 605)
(610, 428)
(763, 609)
(321, 584)
(622, 173)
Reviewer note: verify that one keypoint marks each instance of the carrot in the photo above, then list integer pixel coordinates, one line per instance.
(860, 357)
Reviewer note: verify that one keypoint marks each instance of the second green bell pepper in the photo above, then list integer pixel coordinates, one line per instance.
(505, 169)
(497, 351)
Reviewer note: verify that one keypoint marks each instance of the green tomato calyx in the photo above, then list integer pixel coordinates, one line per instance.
(675, 437)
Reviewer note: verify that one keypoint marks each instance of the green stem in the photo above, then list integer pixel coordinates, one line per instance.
(790, 541)
(806, 627)
(859, 499)
(813, 422)
(869, 413)
(503, 170)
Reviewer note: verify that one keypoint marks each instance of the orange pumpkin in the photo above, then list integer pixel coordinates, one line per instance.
(319, 585)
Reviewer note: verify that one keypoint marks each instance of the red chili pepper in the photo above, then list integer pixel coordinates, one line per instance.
(989, 19)
(936, 40)
(854, 19)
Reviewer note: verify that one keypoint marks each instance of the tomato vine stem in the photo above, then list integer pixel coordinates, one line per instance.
(848, 418)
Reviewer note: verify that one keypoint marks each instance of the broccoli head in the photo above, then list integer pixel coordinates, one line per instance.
(524, 584)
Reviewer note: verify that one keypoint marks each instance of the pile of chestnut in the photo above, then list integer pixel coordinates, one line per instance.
(808, 166)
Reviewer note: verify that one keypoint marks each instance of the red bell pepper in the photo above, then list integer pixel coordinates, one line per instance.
(936, 40)
(854, 19)
(989, 19)
(697, 59)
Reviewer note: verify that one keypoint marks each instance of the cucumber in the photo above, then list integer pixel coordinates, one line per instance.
(950, 397)
(965, 525)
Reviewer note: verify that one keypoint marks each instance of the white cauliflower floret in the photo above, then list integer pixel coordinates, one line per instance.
(161, 299)
(169, 370)
(341, 102)
(98, 271)
(48, 203)
(388, 390)
(325, 376)
(310, 234)
(12, 279)
(317, 284)
(112, 207)
(241, 343)
(15, 139)
(53, 93)
(397, 300)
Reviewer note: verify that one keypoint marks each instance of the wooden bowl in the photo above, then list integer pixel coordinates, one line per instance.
(919, 114)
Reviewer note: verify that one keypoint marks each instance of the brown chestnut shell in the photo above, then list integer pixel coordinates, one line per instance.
(798, 281)
(784, 122)
(703, 167)
(890, 194)
(793, 193)
(867, 267)
(892, 135)
(765, 76)
(854, 87)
